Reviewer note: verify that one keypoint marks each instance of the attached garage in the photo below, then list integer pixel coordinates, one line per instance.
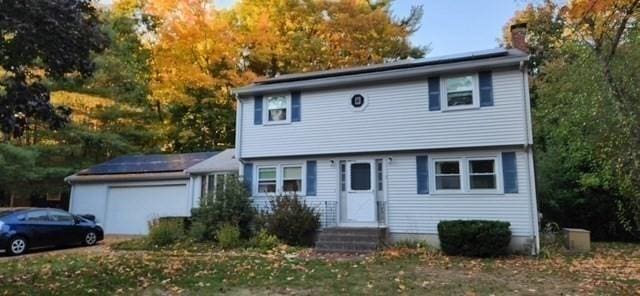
(128, 192)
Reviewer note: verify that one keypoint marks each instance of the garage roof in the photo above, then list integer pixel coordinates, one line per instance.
(141, 168)
(151, 163)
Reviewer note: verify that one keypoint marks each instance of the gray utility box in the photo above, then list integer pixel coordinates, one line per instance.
(577, 240)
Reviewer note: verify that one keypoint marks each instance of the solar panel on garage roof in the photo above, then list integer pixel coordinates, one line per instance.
(153, 163)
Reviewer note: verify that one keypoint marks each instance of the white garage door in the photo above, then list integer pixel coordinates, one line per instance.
(129, 209)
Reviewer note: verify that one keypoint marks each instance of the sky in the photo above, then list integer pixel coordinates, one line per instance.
(450, 26)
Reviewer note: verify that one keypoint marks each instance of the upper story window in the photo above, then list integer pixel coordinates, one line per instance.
(460, 92)
(277, 109)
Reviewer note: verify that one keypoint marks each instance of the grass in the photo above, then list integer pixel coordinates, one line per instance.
(610, 269)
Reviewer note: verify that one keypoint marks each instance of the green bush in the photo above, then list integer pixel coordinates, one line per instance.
(229, 206)
(264, 240)
(228, 236)
(291, 220)
(165, 232)
(474, 238)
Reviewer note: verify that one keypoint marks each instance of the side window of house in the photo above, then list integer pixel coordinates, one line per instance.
(343, 176)
(267, 180)
(466, 174)
(460, 91)
(277, 108)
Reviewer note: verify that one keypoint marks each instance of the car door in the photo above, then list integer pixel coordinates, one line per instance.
(63, 227)
(38, 228)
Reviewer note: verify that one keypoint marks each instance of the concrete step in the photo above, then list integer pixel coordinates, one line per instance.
(352, 240)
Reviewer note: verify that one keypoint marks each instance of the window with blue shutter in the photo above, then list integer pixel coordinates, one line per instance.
(257, 110)
(311, 177)
(509, 172)
(434, 93)
(486, 89)
(422, 174)
(295, 106)
(248, 176)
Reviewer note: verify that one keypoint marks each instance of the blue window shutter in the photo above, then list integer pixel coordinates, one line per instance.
(248, 177)
(434, 93)
(311, 177)
(295, 106)
(509, 172)
(422, 174)
(257, 110)
(486, 89)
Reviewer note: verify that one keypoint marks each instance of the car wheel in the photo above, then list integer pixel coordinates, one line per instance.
(18, 245)
(90, 238)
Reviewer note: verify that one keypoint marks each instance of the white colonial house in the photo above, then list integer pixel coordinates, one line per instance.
(398, 146)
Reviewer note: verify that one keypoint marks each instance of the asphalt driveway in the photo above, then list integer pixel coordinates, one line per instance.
(100, 247)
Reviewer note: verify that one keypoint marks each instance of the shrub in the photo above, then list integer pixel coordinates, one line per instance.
(228, 236)
(291, 220)
(232, 205)
(264, 240)
(165, 232)
(474, 238)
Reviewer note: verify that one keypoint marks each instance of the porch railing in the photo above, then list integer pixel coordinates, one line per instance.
(328, 210)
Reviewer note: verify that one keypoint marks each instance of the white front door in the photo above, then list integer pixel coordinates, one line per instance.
(360, 201)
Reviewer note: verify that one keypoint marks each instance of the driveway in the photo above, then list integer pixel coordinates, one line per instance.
(100, 247)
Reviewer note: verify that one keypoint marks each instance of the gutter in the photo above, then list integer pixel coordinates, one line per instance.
(533, 204)
(75, 178)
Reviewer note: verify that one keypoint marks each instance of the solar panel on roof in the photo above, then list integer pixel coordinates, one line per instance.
(153, 163)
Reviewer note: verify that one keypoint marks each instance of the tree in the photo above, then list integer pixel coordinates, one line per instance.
(40, 38)
(586, 115)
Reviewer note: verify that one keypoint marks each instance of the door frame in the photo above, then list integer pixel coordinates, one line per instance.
(342, 202)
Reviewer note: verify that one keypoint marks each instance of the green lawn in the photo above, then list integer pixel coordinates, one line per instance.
(610, 269)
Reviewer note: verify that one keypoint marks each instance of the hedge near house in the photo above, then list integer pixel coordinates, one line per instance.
(474, 238)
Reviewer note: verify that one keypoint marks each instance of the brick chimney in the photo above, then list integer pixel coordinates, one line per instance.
(519, 37)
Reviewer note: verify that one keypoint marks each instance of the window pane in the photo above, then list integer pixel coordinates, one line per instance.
(447, 182)
(292, 173)
(211, 184)
(267, 173)
(277, 108)
(447, 167)
(292, 185)
(481, 166)
(483, 182)
(343, 176)
(219, 182)
(460, 91)
(38, 216)
(379, 173)
(267, 186)
(361, 176)
(60, 216)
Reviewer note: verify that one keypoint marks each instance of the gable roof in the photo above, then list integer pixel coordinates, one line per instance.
(396, 70)
(224, 161)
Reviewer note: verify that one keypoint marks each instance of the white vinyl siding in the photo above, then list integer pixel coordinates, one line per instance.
(396, 119)
(409, 212)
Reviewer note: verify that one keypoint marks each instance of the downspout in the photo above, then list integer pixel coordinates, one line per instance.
(535, 236)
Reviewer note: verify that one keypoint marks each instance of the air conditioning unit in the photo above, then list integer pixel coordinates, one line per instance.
(577, 240)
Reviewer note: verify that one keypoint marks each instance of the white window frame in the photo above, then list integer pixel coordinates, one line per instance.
(461, 174)
(257, 183)
(495, 172)
(265, 110)
(205, 182)
(475, 93)
(302, 177)
(465, 180)
(280, 178)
